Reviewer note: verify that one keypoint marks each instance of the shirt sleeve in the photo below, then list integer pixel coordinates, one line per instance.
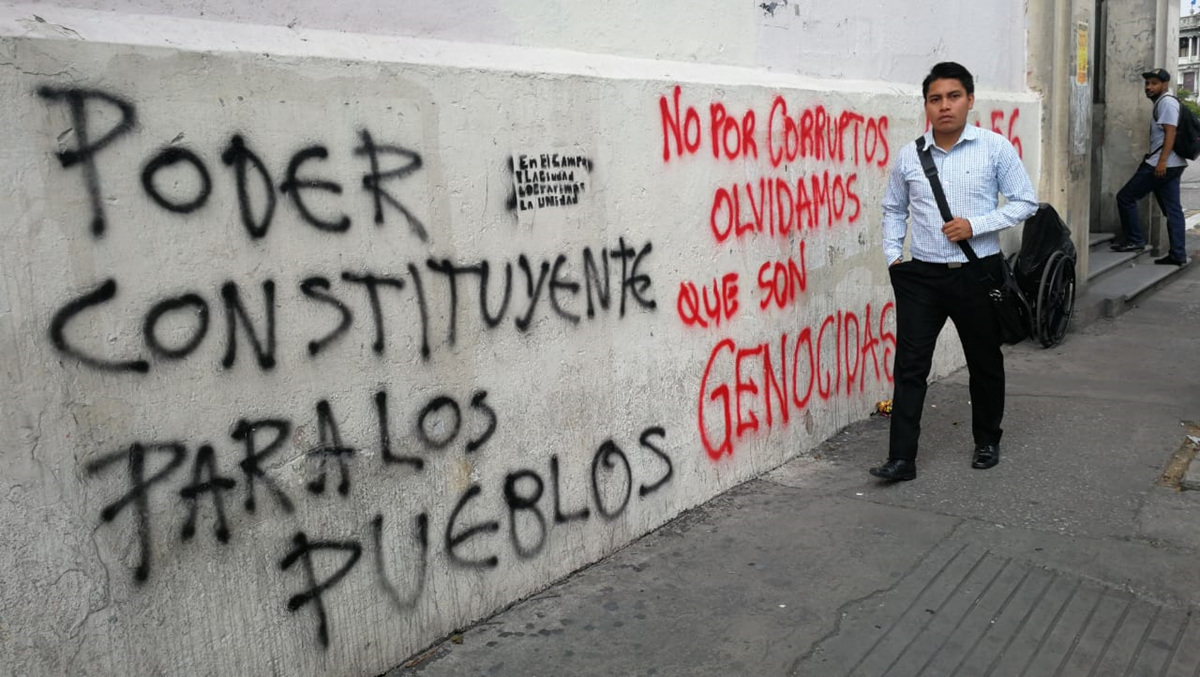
(1168, 111)
(895, 214)
(1013, 182)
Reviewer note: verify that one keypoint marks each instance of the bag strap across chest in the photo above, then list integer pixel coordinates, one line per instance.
(935, 183)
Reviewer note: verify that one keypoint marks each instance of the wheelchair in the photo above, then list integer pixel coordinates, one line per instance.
(1045, 270)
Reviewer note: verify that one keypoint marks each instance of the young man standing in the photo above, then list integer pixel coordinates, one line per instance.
(1159, 174)
(974, 165)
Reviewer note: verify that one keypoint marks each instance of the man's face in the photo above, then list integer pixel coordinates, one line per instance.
(1155, 88)
(947, 104)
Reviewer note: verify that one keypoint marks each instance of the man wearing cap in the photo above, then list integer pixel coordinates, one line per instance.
(1158, 173)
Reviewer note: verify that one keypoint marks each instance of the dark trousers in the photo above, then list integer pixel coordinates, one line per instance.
(1166, 192)
(927, 294)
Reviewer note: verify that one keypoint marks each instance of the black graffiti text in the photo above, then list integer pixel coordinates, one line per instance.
(386, 166)
(589, 284)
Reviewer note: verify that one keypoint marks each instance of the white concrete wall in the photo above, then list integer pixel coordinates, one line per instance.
(131, 546)
(855, 40)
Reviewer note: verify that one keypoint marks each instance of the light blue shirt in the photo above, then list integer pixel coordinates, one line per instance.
(981, 165)
(1166, 112)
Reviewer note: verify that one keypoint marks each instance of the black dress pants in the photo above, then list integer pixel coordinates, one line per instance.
(927, 294)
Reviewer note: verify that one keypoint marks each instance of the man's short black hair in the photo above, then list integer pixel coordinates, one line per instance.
(948, 70)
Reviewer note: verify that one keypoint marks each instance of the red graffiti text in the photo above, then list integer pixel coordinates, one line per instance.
(846, 137)
(750, 389)
(782, 281)
(819, 134)
(777, 207)
(709, 305)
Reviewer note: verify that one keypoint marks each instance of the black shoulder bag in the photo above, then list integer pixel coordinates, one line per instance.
(1014, 320)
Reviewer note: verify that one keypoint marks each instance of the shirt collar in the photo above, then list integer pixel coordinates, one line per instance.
(969, 133)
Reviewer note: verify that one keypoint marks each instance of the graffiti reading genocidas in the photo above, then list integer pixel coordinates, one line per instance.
(229, 478)
(749, 389)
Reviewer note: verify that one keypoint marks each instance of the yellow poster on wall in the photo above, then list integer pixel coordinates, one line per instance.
(1081, 57)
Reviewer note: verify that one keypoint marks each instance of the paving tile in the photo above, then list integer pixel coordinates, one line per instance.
(967, 611)
(1185, 658)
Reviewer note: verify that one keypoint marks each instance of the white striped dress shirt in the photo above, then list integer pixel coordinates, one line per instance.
(979, 166)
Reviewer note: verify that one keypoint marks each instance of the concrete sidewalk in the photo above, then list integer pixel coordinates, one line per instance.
(1072, 557)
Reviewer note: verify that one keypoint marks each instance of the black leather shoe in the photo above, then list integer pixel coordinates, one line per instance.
(986, 456)
(896, 470)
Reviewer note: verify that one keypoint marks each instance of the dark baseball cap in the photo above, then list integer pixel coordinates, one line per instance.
(1157, 73)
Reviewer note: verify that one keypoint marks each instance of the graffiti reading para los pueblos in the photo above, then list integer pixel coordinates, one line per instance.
(526, 505)
(549, 180)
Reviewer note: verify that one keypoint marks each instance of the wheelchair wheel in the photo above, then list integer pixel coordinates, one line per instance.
(1055, 300)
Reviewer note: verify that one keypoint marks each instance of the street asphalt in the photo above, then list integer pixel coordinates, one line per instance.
(1077, 555)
